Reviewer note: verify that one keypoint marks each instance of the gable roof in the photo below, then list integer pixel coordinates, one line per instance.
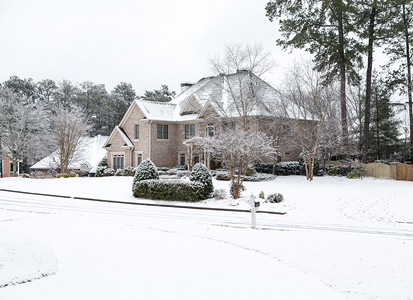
(123, 135)
(89, 153)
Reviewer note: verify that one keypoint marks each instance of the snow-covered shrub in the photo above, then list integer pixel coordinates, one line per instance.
(171, 190)
(223, 175)
(163, 169)
(354, 174)
(41, 175)
(103, 163)
(220, 193)
(129, 171)
(286, 168)
(146, 170)
(231, 189)
(274, 198)
(259, 177)
(201, 174)
(261, 195)
(267, 168)
(213, 173)
(182, 173)
(72, 174)
(108, 172)
(332, 171)
(171, 172)
(119, 172)
(100, 170)
(161, 173)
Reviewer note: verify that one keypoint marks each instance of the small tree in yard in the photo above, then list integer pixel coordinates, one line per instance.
(201, 174)
(146, 170)
(237, 149)
(70, 129)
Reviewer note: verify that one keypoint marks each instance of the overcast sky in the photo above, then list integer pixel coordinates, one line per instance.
(146, 43)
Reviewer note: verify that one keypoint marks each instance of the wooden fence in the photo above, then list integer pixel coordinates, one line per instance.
(378, 170)
(402, 172)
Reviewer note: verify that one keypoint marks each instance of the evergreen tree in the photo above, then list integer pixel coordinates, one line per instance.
(146, 170)
(323, 28)
(384, 138)
(162, 95)
(201, 174)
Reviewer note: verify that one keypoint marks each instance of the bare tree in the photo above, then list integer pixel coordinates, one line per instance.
(239, 89)
(237, 149)
(307, 101)
(70, 128)
(23, 127)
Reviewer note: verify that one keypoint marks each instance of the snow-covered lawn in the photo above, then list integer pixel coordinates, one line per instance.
(114, 251)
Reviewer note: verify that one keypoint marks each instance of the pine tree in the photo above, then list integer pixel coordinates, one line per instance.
(146, 170)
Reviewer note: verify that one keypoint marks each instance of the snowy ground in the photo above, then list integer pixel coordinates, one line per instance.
(338, 238)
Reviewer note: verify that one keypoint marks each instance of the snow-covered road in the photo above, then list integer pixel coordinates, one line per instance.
(107, 251)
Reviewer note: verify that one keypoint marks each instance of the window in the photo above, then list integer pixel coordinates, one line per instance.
(162, 132)
(136, 132)
(182, 159)
(210, 129)
(189, 131)
(233, 124)
(248, 125)
(196, 159)
(139, 159)
(118, 161)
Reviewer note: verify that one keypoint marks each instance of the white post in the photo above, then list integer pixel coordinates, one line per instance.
(253, 212)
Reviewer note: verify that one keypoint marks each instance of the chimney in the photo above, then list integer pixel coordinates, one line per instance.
(185, 86)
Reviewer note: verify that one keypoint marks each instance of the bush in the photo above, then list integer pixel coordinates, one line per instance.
(287, 168)
(163, 169)
(261, 195)
(145, 171)
(182, 173)
(267, 168)
(274, 198)
(129, 171)
(354, 174)
(259, 177)
(103, 163)
(307, 157)
(108, 172)
(172, 172)
(170, 190)
(201, 174)
(100, 170)
(332, 172)
(231, 189)
(223, 175)
(72, 174)
(220, 194)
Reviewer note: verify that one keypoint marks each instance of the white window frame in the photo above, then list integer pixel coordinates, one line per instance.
(113, 155)
(137, 154)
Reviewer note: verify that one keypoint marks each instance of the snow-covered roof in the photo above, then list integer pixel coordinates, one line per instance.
(88, 154)
(128, 142)
(213, 91)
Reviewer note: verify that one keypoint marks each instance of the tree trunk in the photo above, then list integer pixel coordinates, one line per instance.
(409, 77)
(366, 132)
(343, 101)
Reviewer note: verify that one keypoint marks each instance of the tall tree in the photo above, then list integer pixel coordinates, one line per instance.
(66, 94)
(25, 88)
(384, 126)
(398, 48)
(323, 28)
(45, 91)
(23, 126)
(161, 95)
(126, 91)
(370, 18)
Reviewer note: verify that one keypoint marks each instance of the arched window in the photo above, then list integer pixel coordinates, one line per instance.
(210, 131)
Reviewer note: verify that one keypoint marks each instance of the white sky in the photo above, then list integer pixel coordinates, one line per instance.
(146, 43)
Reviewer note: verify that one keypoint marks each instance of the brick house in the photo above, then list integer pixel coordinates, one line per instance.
(159, 130)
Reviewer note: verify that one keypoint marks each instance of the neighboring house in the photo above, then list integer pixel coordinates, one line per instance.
(159, 130)
(88, 155)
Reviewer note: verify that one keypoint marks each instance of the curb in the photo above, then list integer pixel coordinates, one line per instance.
(145, 204)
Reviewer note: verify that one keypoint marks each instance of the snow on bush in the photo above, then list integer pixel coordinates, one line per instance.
(146, 170)
(201, 174)
(223, 175)
(274, 198)
(220, 194)
(170, 190)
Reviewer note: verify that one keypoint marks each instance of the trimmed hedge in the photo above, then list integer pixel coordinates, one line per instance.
(170, 190)
(282, 168)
